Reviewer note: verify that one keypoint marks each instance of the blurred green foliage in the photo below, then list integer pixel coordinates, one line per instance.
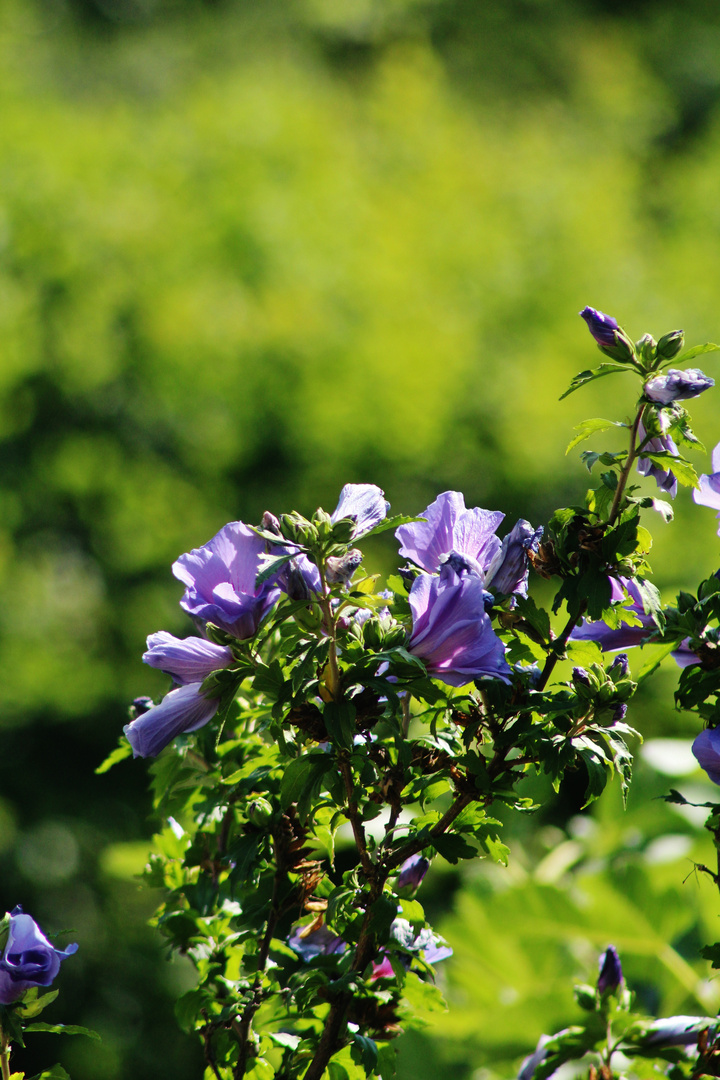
(249, 253)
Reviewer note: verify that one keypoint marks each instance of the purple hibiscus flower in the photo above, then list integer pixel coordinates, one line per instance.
(677, 385)
(706, 749)
(450, 527)
(182, 710)
(625, 636)
(452, 632)
(467, 540)
(664, 478)
(365, 504)
(320, 942)
(220, 581)
(187, 660)
(28, 960)
(707, 493)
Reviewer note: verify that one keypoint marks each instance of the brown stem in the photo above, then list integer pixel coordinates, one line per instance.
(558, 647)
(354, 816)
(620, 489)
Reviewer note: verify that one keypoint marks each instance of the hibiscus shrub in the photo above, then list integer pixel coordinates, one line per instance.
(312, 700)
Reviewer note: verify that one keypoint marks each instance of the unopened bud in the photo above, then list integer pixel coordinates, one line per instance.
(620, 667)
(260, 812)
(670, 344)
(611, 974)
(139, 706)
(412, 871)
(270, 523)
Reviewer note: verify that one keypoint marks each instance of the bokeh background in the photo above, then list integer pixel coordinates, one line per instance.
(250, 252)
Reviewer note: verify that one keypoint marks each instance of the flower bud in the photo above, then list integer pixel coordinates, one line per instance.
(342, 531)
(670, 344)
(706, 749)
(620, 667)
(676, 385)
(619, 713)
(139, 706)
(270, 523)
(412, 871)
(610, 338)
(646, 348)
(611, 975)
(580, 677)
(260, 812)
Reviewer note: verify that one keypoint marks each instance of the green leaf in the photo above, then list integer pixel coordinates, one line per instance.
(56, 1072)
(453, 847)
(697, 350)
(302, 775)
(589, 427)
(590, 374)
(64, 1029)
(124, 750)
(339, 717)
(34, 1006)
(652, 604)
(655, 661)
(392, 523)
(680, 468)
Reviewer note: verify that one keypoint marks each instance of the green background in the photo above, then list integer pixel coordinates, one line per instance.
(250, 252)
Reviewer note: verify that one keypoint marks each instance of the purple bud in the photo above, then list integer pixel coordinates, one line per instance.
(611, 975)
(412, 871)
(620, 667)
(677, 385)
(602, 327)
(508, 572)
(270, 523)
(140, 705)
(619, 713)
(581, 677)
(29, 960)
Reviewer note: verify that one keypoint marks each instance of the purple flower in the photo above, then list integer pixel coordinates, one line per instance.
(220, 579)
(365, 504)
(182, 710)
(320, 942)
(449, 527)
(412, 871)
(664, 478)
(28, 960)
(684, 655)
(602, 327)
(427, 945)
(707, 493)
(299, 578)
(508, 572)
(530, 1064)
(677, 385)
(451, 630)
(678, 1030)
(625, 636)
(187, 660)
(611, 975)
(706, 749)
(620, 667)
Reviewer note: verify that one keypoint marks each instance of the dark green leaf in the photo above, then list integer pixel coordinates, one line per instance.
(64, 1029)
(590, 374)
(589, 427)
(302, 774)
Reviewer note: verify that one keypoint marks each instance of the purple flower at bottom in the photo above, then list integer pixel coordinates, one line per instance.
(186, 660)
(677, 385)
(626, 635)
(707, 493)
(611, 975)
(180, 711)
(662, 444)
(220, 579)
(451, 630)
(706, 749)
(28, 960)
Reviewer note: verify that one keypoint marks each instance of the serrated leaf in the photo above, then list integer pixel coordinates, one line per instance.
(590, 374)
(697, 350)
(679, 467)
(589, 427)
